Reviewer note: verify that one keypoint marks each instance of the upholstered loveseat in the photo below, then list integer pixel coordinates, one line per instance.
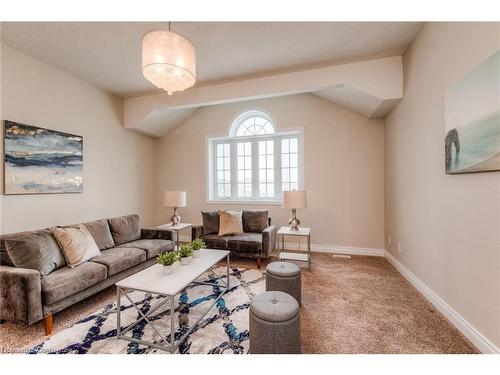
(257, 241)
(29, 294)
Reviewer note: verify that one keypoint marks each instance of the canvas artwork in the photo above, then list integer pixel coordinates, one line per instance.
(472, 120)
(41, 161)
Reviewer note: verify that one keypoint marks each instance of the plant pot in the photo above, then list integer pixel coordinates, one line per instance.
(196, 253)
(167, 270)
(186, 260)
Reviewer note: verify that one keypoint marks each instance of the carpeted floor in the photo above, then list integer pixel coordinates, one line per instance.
(356, 305)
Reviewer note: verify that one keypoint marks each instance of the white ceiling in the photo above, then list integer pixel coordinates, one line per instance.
(108, 54)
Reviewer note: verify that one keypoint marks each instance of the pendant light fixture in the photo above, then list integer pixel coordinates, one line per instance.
(168, 60)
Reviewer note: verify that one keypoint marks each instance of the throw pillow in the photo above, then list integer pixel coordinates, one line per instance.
(230, 222)
(77, 244)
(255, 220)
(125, 229)
(210, 222)
(99, 230)
(35, 250)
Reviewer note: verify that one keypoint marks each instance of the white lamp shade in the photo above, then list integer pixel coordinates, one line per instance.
(294, 199)
(168, 61)
(175, 199)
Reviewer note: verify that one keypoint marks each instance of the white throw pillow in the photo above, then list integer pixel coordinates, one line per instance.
(230, 222)
(77, 244)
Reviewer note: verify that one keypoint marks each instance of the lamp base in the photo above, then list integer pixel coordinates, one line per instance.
(175, 219)
(294, 222)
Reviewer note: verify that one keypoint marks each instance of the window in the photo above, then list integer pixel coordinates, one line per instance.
(255, 125)
(266, 169)
(224, 170)
(289, 164)
(244, 169)
(254, 163)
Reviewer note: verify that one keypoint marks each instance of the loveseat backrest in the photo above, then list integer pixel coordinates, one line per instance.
(252, 220)
(255, 220)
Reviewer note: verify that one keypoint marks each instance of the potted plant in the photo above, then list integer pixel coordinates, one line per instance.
(167, 260)
(185, 252)
(196, 245)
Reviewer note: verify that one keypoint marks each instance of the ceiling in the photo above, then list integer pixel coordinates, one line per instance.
(108, 54)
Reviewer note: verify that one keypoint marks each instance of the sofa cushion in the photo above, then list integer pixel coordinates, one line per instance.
(66, 281)
(152, 247)
(99, 229)
(35, 250)
(213, 241)
(125, 229)
(255, 220)
(119, 259)
(76, 243)
(210, 222)
(251, 242)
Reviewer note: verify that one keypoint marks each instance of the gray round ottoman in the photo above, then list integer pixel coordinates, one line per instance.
(285, 277)
(274, 324)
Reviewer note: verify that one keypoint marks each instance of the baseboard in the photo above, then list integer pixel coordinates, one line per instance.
(334, 249)
(481, 342)
(320, 248)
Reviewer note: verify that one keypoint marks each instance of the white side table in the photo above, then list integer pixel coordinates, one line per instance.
(301, 257)
(176, 229)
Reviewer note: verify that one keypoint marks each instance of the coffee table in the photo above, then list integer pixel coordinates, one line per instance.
(152, 280)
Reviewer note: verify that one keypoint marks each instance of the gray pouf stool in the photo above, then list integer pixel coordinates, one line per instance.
(274, 324)
(285, 277)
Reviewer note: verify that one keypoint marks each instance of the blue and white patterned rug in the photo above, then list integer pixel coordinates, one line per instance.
(223, 330)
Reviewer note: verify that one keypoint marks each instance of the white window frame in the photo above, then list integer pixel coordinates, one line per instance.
(233, 140)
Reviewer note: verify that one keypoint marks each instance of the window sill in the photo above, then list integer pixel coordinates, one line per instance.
(248, 203)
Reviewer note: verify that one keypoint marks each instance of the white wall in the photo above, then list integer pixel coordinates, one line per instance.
(343, 165)
(118, 164)
(448, 225)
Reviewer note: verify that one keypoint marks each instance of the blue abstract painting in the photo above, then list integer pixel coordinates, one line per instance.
(472, 120)
(41, 161)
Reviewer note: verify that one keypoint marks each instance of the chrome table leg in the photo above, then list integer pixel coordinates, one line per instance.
(172, 325)
(118, 311)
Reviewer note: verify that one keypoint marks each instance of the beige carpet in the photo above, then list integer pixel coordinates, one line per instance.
(357, 305)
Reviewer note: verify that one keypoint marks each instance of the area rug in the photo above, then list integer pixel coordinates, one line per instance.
(223, 330)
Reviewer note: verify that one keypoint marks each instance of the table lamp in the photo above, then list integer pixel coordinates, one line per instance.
(175, 199)
(294, 199)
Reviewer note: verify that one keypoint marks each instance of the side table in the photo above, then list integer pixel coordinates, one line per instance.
(176, 229)
(302, 256)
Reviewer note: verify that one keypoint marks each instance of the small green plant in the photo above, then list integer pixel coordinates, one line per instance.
(167, 259)
(198, 244)
(185, 250)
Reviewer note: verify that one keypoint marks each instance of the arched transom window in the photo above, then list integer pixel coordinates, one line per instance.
(251, 123)
(255, 163)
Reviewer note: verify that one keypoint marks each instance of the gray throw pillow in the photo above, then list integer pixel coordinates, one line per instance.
(210, 222)
(99, 230)
(35, 250)
(255, 220)
(4, 255)
(125, 229)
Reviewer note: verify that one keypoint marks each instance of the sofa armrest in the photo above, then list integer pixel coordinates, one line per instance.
(197, 231)
(156, 234)
(269, 240)
(20, 295)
